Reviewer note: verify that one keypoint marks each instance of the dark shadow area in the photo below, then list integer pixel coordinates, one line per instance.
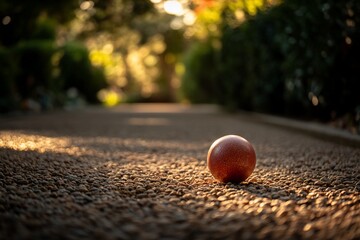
(267, 191)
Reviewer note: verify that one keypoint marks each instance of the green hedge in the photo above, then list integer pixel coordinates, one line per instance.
(200, 79)
(8, 69)
(38, 73)
(35, 67)
(299, 58)
(76, 71)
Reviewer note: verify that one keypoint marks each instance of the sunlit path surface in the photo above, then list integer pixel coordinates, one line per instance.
(139, 172)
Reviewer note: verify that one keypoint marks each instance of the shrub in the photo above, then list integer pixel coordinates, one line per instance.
(297, 58)
(45, 29)
(77, 72)
(8, 99)
(199, 80)
(320, 45)
(35, 76)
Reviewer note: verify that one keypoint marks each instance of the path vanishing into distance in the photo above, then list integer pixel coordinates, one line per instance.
(139, 172)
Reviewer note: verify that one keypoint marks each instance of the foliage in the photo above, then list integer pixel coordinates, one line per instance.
(8, 70)
(45, 72)
(36, 75)
(297, 58)
(199, 80)
(34, 60)
(211, 13)
(76, 71)
(35, 72)
(23, 17)
(45, 29)
(112, 13)
(134, 43)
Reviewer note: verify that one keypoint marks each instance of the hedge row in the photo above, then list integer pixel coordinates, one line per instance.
(37, 72)
(299, 58)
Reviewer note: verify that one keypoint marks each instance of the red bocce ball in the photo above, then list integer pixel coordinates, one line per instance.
(231, 159)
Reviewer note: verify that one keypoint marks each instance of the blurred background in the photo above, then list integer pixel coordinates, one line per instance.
(286, 57)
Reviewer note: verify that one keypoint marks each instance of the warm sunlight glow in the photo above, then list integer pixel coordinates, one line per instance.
(313, 98)
(109, 97)
(87, 5)
(176, 24)
(6, 20)
(348, 40)
(174, 7)
(30, 142)
(240, 15)
(189, 18)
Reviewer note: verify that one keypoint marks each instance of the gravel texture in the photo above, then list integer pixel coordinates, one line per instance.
(139, 172)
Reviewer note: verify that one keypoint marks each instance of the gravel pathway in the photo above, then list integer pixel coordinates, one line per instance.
(138, 172)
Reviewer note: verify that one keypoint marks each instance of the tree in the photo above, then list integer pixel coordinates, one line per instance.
(19, 18)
